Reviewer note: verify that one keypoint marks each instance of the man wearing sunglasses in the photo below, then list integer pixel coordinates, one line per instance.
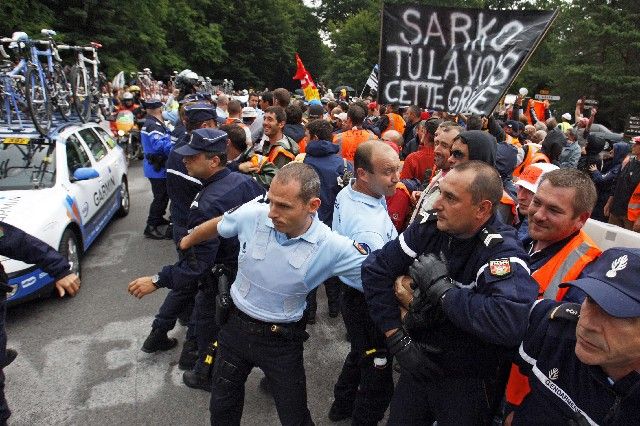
(479, 145)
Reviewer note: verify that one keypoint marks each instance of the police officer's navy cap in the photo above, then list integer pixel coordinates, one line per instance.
(153, 103)
(612, 282)
(205, 140)
(200, 111)
(195, 97)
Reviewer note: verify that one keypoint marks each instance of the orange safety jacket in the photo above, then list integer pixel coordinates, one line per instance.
(350, 140)
(633, 209)
(258, 161)
(531, 156)
(566, 265)
(396, 122)
(279, 150)
(508, 201)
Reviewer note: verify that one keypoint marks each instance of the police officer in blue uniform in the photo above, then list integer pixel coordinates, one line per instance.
(583, 361)
(465, 314)
(181, 188)
(16, 244)
(205, 159)
(156, 144)
(285, 251)
(365, 384)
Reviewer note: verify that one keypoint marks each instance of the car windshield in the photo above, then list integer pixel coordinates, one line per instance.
(27, 164)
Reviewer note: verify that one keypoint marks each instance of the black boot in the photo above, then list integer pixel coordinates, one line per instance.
(153, 232)
(158, 341)
(189, 355)
(338, 412)
(198, 378)
(9, 356)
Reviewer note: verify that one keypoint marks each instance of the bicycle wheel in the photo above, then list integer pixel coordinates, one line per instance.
(38, 101)
(62, 97)
(81, 93)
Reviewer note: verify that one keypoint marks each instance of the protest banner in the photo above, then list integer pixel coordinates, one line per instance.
(455, 60)
(632, 127)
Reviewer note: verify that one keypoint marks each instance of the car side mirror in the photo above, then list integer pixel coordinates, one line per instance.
(85, 173)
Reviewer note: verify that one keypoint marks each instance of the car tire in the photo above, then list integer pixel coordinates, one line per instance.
(125, 200)
(70, 249)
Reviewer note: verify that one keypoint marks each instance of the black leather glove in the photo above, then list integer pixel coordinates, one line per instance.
(414, 357)
(430, 275)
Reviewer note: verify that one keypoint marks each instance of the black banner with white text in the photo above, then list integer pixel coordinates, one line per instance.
(455, 60)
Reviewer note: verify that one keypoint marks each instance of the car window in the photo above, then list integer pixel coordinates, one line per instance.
(27, 164)
(77, 156)
(106, 137)
(96, 146)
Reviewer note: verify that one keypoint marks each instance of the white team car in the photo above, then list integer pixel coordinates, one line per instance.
(62, 189)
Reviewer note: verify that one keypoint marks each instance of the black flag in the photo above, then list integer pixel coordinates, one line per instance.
(455, 60)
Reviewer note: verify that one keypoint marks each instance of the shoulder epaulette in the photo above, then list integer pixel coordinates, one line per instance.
(490, 237)
(428, 216)
(567, 311)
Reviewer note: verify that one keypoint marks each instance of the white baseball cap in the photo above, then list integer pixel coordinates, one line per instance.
(532, 175)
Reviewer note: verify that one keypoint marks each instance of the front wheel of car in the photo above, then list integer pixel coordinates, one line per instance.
(125, 201)
(70, 249)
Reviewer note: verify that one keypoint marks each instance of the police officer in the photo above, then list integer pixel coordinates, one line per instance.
(469, 310)
(156, 144)
(205, 159)
(16, 244)
(181, 189)
(285, 252)
(365, 384)
(583, 361)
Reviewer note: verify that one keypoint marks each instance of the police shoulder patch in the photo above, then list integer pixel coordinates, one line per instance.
(566, 311)
(500, 267)
(428, 216)
(490, 237)
(362, 248)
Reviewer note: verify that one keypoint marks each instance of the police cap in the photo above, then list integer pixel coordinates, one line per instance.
(153, 103)
(204, 140)
(200, 111)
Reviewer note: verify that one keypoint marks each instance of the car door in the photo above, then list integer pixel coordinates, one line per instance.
(80, 204)
(102, 163)
(116, 159)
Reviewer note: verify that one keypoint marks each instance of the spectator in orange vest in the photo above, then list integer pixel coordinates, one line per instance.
(623, 206)
(417, 163)
(391, 120)
(349, 140)
(558, 247)
(278, 147)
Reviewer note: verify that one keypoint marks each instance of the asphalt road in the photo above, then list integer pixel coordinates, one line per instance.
(79, 358)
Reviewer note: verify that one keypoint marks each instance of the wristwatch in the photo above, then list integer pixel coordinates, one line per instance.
(155, 280)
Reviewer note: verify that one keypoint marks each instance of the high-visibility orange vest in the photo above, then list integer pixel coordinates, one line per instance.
(508, 201)
(402, 187)
(350, 140)
(538, 108)
(513, 141)
(278, 150)
(259, 161)
(565, 266)
(531, 156)
(396, 122)
(633, 209)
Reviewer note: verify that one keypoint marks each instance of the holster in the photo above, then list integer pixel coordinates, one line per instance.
(223, 296)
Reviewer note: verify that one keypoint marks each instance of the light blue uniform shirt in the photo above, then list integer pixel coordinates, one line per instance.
(364, 219)
(276, 273)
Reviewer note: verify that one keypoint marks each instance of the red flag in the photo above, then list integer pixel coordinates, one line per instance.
(308, 86)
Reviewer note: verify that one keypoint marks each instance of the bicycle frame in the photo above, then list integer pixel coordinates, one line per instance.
(11, 97)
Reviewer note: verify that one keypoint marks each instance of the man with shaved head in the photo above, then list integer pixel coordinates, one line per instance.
(365, 384)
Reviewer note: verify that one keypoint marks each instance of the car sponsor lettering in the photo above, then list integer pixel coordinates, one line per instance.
(103, 192)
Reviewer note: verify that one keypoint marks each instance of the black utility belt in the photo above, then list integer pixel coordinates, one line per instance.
(290, 331)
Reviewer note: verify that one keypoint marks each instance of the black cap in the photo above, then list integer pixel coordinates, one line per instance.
(204, 140)
(153, 103)
(200, 111)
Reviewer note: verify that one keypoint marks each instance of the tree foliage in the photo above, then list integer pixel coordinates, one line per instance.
(250, 41)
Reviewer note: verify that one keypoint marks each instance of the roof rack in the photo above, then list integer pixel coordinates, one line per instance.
(28, 130)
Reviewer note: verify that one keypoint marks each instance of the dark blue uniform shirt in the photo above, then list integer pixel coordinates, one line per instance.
(181, 187)
(221, 192)
(155, 139)
(485, 314)
(563, 389)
